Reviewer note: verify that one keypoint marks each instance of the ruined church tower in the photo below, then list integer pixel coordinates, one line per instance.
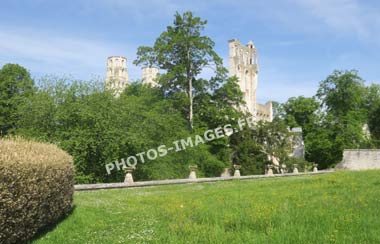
(117, 75)
(149, 75)
(244, 65)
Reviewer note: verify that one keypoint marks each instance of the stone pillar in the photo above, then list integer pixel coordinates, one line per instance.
(315, 168)
(295, 168)
(226, 173)
(277, 168)
(193, 169)
(270, 170)
(283, 169)
(128, 176)
(237, 170)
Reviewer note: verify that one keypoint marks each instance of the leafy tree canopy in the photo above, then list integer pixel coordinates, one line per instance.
(184, 53)
(15, 85)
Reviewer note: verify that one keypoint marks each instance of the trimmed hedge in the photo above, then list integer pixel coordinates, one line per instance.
(36, 188)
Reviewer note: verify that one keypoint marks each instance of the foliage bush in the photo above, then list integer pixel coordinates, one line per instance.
(97, 128)
(36, 187)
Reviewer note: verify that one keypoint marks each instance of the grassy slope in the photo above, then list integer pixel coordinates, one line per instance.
(342, 207)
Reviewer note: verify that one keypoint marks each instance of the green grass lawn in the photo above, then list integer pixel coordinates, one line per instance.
(342, 207)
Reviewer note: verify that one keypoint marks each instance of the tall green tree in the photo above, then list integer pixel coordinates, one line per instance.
(278, 110)
(374, 124)
(343, 96)
(301, 112)
(253, 147)
(373, 108)
(343, 92)
(15, 85)
(183, 53)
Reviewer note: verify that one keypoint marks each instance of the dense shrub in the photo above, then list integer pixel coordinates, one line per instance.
(36, 187)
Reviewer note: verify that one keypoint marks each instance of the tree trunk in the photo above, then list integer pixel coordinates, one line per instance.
(190, 77)
(191, 104)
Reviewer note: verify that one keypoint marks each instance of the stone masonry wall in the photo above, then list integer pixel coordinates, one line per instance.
(360, 159)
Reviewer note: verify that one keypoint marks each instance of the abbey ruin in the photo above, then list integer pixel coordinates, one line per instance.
(117, 74)
(243, 63)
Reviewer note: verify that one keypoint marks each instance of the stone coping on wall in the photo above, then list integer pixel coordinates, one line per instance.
(86, 187)
(362, 150)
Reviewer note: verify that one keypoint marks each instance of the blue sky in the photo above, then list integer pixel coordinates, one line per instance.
(300, 42)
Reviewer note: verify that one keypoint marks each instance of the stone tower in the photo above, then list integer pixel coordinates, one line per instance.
(244, 65)
(117, 75)
(149, 75)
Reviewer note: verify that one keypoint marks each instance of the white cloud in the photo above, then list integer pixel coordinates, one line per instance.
(47, 51)
(139, 11)
(345, 16)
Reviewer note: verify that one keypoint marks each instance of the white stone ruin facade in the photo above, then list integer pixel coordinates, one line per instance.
(117, 74)
(243, 63)
(149, 75)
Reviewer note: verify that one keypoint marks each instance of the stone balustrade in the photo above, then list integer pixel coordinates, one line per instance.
(85, 187)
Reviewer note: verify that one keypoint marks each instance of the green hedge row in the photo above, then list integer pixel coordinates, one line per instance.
(36, 188)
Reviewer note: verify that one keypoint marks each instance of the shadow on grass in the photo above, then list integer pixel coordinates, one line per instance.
(50, 227)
